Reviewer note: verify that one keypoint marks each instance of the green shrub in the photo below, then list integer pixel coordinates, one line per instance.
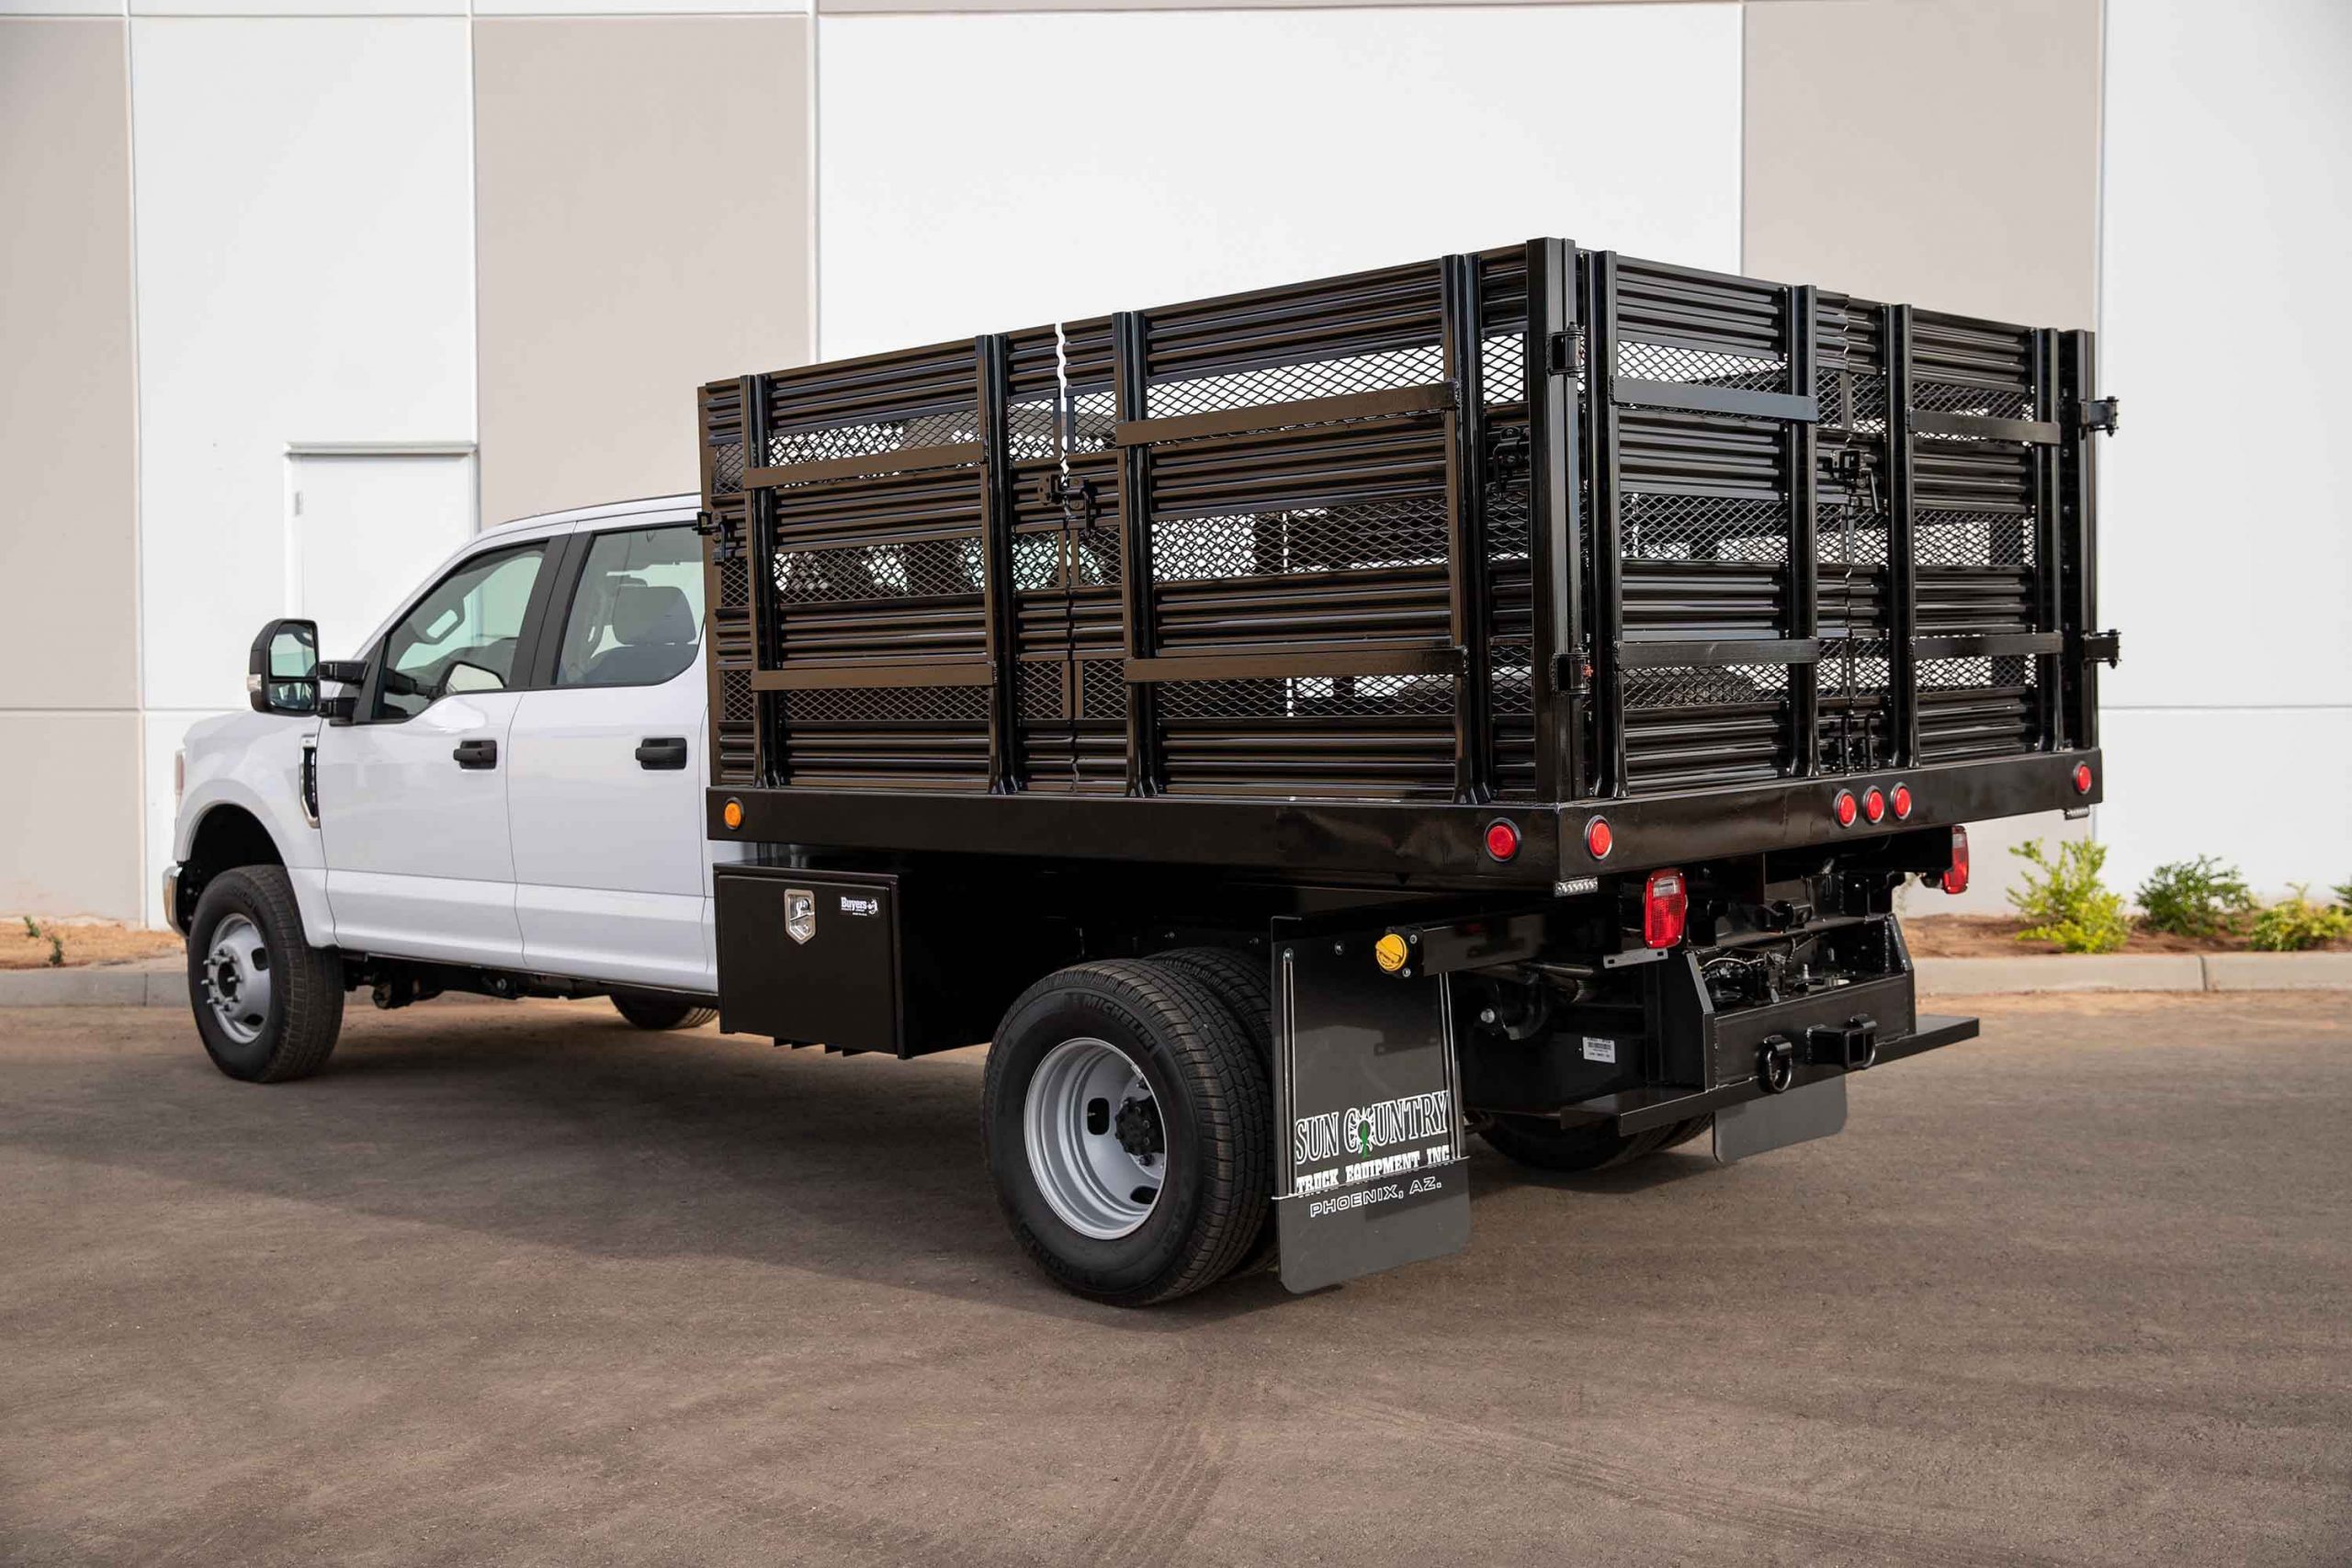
(2294, 924)
(2198, 897)
(2065, 901)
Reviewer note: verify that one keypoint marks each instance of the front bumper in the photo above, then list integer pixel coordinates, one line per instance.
(171, 898)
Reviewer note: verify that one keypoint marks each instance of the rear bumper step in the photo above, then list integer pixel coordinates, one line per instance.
(1638, 1110)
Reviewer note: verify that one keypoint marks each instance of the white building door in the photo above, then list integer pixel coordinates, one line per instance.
(365, 528)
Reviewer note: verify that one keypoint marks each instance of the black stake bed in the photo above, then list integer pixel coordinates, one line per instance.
(1322, 581)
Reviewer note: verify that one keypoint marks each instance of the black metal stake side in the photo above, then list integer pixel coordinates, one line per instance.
(1462, 338)
(1130, 364)
(2049, 695)
(714, 544)
(1902, 558)
(1555, 524)
(759, 525)
(2078, 486)
(999, 597)
(1604, 604)
(1803, 311)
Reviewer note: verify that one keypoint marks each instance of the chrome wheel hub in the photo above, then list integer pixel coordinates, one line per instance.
(236, 979)
(1095, 1141)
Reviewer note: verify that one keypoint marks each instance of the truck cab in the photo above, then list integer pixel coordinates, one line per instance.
(500, 791)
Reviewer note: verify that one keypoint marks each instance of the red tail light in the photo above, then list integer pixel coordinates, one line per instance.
(1844, 808)
(1874, 805)
(1666, 909)
(2082, 778)
(1902, 798)
(1598, 839)
(1956, 873)
(1503, 840)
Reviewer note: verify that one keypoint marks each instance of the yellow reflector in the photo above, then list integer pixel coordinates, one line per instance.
(1390, 950)
(732, 814)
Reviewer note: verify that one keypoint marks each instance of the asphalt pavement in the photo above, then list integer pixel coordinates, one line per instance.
(518, 1284)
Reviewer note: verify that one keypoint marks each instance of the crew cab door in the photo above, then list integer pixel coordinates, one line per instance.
(413, 792)
(606, 790)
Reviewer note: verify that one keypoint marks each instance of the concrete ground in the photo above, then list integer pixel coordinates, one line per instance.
(515, 1284)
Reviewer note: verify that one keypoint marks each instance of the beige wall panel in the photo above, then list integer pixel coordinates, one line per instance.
(66, 401)
(642, 193)
(1943, 152)
(69, 800)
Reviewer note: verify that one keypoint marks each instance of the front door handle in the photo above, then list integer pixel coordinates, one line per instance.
(663, 751)
(476, 753)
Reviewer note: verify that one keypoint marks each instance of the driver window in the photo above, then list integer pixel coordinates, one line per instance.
(460, 637)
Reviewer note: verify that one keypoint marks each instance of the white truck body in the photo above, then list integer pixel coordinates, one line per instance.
(567, 855)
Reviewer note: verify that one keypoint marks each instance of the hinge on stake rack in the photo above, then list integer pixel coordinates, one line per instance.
(2101, 414)
(1560, 354)
(2102, 647)
(708, 523)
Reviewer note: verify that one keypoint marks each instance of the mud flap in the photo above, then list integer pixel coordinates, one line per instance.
(1368, 1101)
(1805, 1112)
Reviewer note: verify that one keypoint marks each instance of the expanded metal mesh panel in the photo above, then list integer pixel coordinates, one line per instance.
(859, 704)
(1308, 696)
(1954, 396)
(1851, 535)
(1284, 544)
(1502, 369)
(1854, 403)
(1700, 527)
(1290, 383)
(913, 568)
(727, 467)
(1702, 367)
(1510, 680)
(940, 427)
(1973, 538)
(1705, 686)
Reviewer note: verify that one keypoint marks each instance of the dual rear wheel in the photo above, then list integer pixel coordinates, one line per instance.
(1128, 1120)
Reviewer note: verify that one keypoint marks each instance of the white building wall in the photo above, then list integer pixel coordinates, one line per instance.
(304, 237)
(1246, 148)
(2226, 501)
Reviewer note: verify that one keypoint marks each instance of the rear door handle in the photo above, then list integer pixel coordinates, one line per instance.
(476, 753)
(663, 751)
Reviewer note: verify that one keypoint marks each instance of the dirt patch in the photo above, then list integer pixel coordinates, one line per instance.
(79, 946)
(1996, 936)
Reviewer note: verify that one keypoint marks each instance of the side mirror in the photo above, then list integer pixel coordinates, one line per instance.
(282, 669)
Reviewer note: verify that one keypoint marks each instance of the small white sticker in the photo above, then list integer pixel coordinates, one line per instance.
(1597, 1050)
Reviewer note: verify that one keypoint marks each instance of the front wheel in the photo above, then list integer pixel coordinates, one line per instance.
(1127, 1121)
(268, 1006)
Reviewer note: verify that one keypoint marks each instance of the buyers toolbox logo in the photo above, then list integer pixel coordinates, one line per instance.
(799, 913)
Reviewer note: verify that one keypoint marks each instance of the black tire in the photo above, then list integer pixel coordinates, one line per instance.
(296, 1034)
(1683, 1132)
(1247, 988)
(662, 1012)
(1240, 979)
(1215, 1108)
(1544, 1146)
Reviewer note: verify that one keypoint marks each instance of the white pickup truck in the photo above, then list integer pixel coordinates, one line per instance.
(507, 799)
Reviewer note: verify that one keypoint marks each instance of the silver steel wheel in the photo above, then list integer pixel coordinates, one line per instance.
(236, 979)
(1096, 1144)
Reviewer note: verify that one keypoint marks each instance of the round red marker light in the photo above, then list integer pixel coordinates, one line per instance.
(1598, 839)
(2082, 778)
(1503, 840)
(1874, 805)
(1902, 798)
(1845, 809)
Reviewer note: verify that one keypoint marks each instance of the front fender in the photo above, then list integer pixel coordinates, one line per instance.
(253, 763)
